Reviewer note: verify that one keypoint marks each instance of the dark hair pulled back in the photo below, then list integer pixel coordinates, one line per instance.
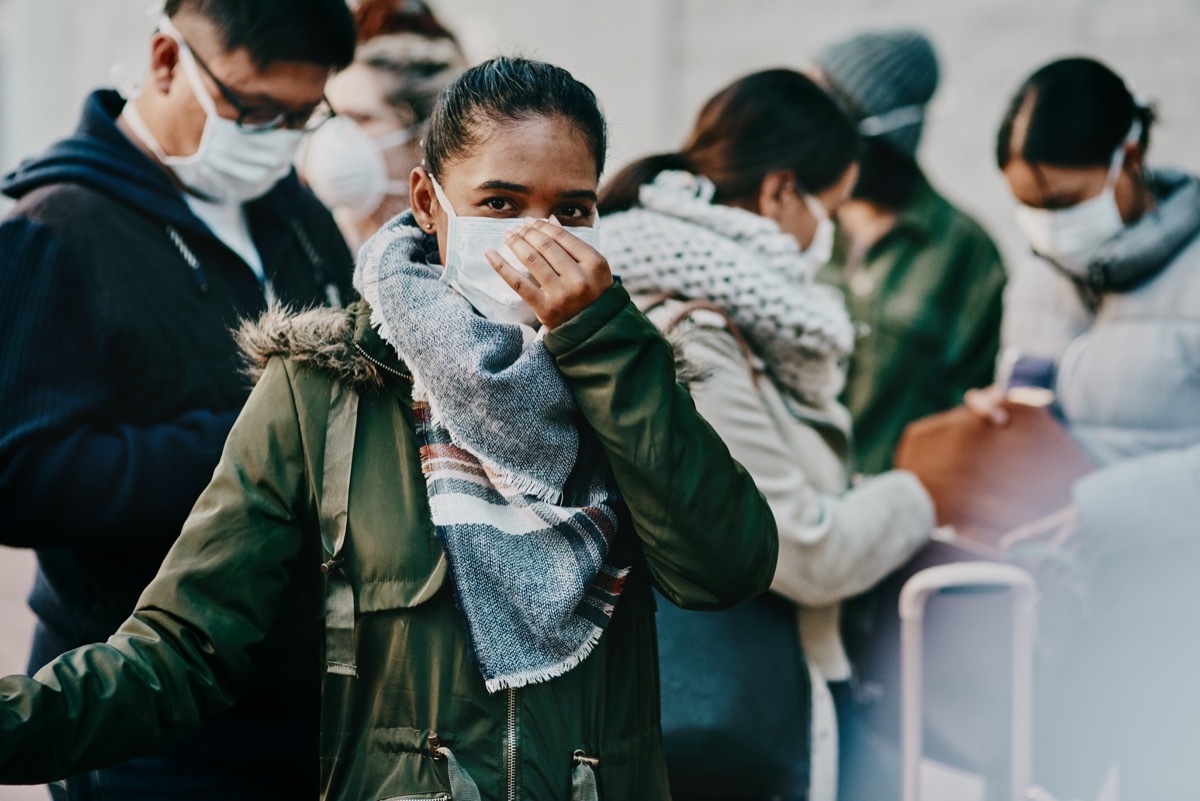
(510, 89)
(764, 122)
(1074, 112)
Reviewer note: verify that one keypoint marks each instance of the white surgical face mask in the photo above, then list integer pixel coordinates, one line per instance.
(1069, 237)
(820, 249)
(468, 272)
(346, 168)
(230, 165)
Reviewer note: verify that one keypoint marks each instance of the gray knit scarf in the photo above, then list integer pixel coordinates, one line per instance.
(1144, 248)
(677, 241)
(519, 489)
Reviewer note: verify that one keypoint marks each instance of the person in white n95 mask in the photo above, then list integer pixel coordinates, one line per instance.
(359, 166)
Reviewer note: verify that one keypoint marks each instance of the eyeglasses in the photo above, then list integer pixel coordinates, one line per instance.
(259, 119)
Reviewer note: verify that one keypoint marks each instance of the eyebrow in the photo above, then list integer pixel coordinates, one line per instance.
(521, 189)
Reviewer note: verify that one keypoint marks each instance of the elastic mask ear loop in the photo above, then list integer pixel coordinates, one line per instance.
(1118, 161)
(190, 69)
(441, 198)
(816, 208)
(892, 120)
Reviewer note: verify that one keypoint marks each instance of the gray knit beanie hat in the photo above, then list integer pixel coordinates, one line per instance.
(886, 77)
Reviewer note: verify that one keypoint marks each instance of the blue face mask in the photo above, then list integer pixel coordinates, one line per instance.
(468, 272)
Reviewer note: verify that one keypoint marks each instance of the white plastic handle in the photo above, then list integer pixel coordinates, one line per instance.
(913, 595)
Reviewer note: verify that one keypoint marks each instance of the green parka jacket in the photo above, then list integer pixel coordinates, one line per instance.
(252, 546)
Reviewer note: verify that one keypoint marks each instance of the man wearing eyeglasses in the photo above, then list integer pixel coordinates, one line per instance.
(134, 247)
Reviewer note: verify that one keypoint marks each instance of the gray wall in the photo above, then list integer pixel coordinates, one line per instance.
(653, 62)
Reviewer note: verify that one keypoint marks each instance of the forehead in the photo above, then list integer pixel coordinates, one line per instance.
(1035, 183)
(544, 153)
(358, 89)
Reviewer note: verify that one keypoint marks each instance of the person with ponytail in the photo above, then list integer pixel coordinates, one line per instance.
(720, 242)
(1107, 316)
(922, 279)
(358, 164)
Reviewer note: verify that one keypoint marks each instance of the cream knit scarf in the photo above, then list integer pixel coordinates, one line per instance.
(677, 241)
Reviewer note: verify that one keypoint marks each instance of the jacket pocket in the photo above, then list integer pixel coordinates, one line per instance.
(416, 584)
(393, 556)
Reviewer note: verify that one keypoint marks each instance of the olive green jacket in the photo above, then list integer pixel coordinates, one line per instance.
(252, 544)
(926, 302)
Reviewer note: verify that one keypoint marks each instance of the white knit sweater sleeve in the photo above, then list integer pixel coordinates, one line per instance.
(830, 547)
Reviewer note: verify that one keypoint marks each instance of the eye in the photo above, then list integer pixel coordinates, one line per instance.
(498, 205)
(576, 214)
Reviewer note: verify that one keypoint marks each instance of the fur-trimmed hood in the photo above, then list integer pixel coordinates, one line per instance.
(338, 341)
(342, 342)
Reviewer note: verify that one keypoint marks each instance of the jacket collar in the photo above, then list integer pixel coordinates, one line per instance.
(338, 341)
(1142, 249)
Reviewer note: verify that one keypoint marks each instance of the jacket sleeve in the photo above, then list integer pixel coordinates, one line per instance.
(708, 536)
(69, 475)
(183, 654)
(830, 546)
(974, 340)
(1145, 503)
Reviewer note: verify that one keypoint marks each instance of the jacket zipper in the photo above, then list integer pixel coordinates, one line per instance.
(511, 745)
(380, 364)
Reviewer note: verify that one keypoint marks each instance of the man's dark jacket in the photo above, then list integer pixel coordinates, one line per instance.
(119, 380)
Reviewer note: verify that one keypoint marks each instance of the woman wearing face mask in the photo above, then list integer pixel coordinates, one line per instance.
(922, 280)
(358, 164)
(484, 508)
(720, 242)
(1108, 317)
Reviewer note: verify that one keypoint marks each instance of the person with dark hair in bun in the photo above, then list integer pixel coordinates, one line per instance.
(481, 470)
(720, 243)
(1107, 317)
(922, 279)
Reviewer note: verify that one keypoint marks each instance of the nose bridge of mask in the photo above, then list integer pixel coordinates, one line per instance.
(484, 227)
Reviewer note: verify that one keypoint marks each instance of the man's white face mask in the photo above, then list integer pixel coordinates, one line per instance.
(230, 165)
(468, 272)
(346, 168)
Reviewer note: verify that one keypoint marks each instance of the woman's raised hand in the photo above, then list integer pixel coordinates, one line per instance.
(566, 275)
(987, 404)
